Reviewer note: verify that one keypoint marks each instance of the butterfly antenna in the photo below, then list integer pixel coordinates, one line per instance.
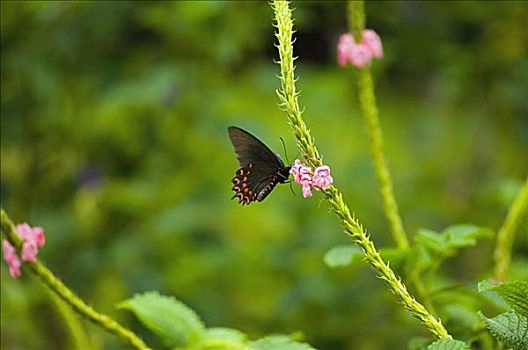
(284, 147)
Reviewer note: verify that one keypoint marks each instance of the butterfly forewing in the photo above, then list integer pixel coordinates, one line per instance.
(251, 149)
(260, 171)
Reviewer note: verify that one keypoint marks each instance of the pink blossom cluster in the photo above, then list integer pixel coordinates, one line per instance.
(33, 238)
(359, 54)
(320, 178)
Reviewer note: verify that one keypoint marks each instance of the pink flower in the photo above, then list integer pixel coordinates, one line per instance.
(373, 41)
(11, 258)
(14, 266)
(298, 169)
(8, 250)
(35, 234)
(32, 239)
(346, 42)
(322, 177)
(305, 170)
(38, 234)
(29, 251)
(307, 184)
(295, 170)
(307, 191)
(360, 55)
(306, 180)
(24, 231)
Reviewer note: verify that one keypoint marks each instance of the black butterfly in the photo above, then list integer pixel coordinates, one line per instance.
(260, 169)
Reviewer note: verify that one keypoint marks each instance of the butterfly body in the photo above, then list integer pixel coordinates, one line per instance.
(260, 169)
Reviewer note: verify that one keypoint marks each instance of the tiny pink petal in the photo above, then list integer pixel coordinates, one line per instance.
(346, 42)
(295, 170)
(307, 184)
(299, 169)
(29, 251)
(7, 249)
(322, 177)
(14, 267)
(307, 191)
(38, 234)
(305, 172)
(11, 258)
(306, 180)
(360, 55)
(373, 41)
(24, 231)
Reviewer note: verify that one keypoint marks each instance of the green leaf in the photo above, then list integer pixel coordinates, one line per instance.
(510, 328)
(230, 334)
(430, 239)
(452, 238)
(348, 254)
(223, 339)
(460, 236)
(448, 344)
(171, 320)
(515, 294)
(342, 255)
(278, 342)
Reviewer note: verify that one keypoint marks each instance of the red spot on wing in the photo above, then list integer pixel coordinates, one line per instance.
(241, 187)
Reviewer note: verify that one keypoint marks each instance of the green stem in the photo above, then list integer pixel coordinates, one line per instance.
(78, 336)
(55, 285)
(423, 294)
(356, 18)
(288, 97)
(506, 235)
(367, 100)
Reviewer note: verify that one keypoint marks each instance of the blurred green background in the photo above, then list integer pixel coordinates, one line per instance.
(113, 138)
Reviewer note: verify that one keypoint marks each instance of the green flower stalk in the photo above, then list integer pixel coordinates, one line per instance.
(367, 100)
(289, 101)
(506, 234)
(56, 286)
(72, 322)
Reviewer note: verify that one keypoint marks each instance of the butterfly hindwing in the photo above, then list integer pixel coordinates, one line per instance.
(261, 169)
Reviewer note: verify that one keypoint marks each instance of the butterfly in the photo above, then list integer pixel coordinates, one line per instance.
(260, 168)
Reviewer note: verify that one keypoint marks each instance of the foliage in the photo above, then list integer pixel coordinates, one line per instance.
(342, 255)
(514, 293)
(511, 327)
(448, 344)
(179, 327)
(168, 318)
(113, 139)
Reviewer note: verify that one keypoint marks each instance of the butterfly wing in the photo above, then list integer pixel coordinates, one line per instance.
(260, 171)
(250, 149)
(253, 183)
